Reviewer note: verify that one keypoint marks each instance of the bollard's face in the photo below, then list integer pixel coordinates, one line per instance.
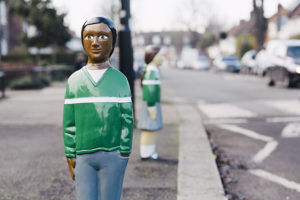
(158, 59)
(97, 42)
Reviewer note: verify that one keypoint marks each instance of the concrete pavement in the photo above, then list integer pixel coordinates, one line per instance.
(35, 167)
(198, 176)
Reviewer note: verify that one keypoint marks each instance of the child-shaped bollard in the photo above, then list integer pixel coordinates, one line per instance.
(98, 118)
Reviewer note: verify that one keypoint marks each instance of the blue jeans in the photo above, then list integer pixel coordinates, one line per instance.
(99, 175)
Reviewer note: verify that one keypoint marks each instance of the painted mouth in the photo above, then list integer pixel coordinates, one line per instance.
(96, 50)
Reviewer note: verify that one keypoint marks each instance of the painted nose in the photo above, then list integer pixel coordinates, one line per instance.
(96, 42)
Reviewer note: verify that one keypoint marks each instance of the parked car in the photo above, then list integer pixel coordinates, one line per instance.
(248, 63)
(227, 63)
(284, 66)
(191, 59)
(202, 63)
(262, 62)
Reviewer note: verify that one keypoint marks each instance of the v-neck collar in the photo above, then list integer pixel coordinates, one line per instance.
(91, 78)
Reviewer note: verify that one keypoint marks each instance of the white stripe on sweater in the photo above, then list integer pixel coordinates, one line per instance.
(98, 99)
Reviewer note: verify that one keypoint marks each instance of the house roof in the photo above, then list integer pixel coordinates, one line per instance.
(244, 27)
(295, 12)
(280, 12)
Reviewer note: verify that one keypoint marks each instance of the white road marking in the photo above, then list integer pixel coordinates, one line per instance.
(246, 132)
(235, 77)
(224, 111)
(276, 179)
(201, 102)
(265, 152)
(287, 106)
(283, 119)
(291, 130)
(226, 121)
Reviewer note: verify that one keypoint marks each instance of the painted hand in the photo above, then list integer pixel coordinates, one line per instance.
(152, 112)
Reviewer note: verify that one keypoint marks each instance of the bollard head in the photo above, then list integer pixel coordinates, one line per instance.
(98, 36)
(152, 55)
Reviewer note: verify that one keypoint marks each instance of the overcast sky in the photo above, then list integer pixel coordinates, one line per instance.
(158, 15)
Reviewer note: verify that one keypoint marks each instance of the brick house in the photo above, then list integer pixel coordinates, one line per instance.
(292, 26)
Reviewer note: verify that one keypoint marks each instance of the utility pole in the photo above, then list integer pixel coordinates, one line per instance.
(1, 35)
(3, 29)
(125, 45)
(261, 23)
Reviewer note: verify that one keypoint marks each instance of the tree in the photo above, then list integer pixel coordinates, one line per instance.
(260, 22)
(195, 18)
(244, 43)
(206, 39)
(111, 9)
(49, 25)
(295, 37)
(194, 14)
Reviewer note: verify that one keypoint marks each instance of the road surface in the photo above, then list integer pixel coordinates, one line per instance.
(257, 129)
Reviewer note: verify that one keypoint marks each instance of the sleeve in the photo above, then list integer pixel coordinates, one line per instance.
(69, 128)
(126, 122)
(151, 90)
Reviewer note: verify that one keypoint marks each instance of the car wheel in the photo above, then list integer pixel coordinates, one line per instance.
(286, 81)
(230, 69)
(268, 79)
(247, 70)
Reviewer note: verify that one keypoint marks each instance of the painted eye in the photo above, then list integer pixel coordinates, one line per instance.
(103, 37)
(89, 37)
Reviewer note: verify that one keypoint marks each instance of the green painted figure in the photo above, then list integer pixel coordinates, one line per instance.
(98, 118)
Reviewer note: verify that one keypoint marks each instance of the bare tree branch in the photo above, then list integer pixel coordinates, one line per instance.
(194, 14)
(111, 9)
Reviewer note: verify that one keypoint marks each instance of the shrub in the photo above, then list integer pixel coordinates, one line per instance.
(244, 43)
(27, 82)
(61, 73)
(21, 54)
(295, 37)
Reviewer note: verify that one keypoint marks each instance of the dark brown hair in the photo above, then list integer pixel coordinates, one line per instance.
(150, 53)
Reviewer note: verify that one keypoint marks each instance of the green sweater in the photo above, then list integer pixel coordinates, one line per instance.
(151, 86)
(97, 116)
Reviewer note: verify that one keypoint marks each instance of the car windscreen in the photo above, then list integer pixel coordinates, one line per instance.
(293, 51)
(229, 59)
(202, 58)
